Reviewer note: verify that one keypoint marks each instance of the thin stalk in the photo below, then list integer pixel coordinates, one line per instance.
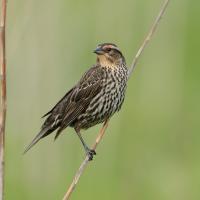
(2, 93)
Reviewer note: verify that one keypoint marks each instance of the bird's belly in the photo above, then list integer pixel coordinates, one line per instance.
(103, 106)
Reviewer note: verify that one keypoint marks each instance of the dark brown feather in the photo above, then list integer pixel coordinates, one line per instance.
(80, 100)
(63, 98)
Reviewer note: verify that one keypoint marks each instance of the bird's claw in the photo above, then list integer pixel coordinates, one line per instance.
(90, 154)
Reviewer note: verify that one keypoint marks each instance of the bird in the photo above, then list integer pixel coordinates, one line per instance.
(93, 100)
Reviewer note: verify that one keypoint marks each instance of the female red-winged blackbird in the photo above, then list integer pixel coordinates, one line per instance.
(94, 99)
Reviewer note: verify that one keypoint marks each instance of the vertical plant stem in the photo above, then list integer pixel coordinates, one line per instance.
(2, 93)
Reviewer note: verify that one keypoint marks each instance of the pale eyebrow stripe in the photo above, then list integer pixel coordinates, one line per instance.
(111, 46)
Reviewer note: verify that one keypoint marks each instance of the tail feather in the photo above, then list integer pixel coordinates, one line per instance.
(39, 136)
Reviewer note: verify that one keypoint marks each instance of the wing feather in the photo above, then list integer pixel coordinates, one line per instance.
(63, 98)
(81, 100)
(73, 104)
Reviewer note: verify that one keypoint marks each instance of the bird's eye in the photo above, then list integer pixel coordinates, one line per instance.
(108, 49)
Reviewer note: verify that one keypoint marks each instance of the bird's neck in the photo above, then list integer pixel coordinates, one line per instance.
(105, 62)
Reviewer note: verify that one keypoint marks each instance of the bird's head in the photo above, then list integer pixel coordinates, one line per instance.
(109, 54)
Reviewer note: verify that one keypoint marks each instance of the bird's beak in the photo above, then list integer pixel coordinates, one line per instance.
(98, 51)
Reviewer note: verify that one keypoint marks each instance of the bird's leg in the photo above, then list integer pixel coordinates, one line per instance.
(90, 152)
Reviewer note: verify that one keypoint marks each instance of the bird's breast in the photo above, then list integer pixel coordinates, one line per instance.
(112, 94)
(109, 100)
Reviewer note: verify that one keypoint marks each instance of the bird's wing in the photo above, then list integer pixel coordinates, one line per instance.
(71, 105)
(64, 97)
(87, 88)
(52, 121)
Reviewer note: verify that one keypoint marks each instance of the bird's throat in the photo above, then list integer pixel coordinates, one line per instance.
(106, 62)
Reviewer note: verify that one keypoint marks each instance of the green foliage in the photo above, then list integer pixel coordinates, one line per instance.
(151, 148)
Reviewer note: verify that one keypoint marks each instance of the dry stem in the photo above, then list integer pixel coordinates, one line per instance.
(149, 36)
(102, 131)
(84, 163)
(3, 94)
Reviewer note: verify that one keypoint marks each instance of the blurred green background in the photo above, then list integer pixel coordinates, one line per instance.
(151, 148)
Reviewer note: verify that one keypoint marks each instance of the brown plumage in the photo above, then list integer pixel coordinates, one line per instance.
(94, 99)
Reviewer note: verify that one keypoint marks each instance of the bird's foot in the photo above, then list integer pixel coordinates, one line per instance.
(90, 153)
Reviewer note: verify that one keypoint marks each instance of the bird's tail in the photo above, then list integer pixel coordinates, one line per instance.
(41, 134)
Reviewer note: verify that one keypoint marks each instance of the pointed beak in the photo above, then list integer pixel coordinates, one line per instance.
(98, 51)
